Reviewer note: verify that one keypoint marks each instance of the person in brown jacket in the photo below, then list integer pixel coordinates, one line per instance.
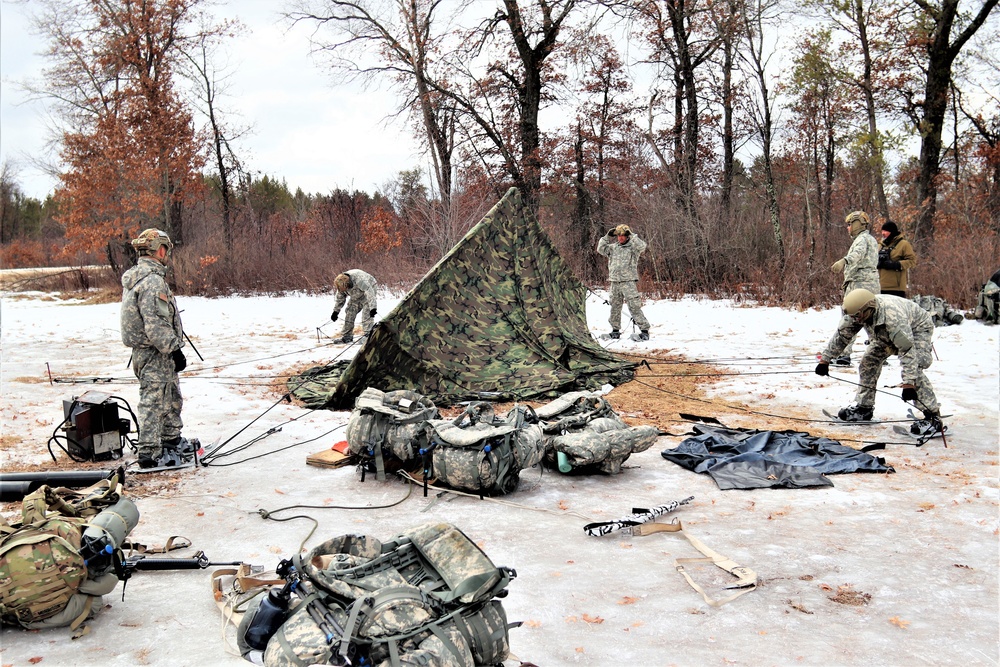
(895, 259)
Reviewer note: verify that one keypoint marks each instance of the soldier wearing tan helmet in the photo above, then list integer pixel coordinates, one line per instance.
(622, 248)
(357, 289)
(859, 266)
(151, 326)
(895, 326)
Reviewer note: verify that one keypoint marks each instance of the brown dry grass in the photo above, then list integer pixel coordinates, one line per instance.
(668, 386)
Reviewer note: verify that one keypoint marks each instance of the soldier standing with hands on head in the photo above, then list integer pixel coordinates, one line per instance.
(622, 248)
(151, 326)
(859, 266)
(357, 289)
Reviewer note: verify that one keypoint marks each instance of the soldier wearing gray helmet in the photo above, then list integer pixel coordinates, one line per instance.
(895, 326)
(151, 326)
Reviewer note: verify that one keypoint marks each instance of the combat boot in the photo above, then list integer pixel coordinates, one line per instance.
(856, 413)
(615, 334)
(844, 360)
(929, 426)
(643, 335)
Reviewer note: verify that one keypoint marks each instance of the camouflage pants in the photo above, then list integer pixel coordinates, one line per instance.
(355, 306)
(160, 399)
(849, 287)
(625, 291)
(871, 368)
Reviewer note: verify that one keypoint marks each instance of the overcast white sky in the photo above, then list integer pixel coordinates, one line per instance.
(305, 130)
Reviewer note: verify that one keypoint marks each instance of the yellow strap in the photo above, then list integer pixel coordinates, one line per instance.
(747, 578)
(82, 617)
(242, 589)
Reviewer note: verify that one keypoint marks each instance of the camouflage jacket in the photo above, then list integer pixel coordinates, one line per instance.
(362, 287)
(861, 263)
(897, 324)
(149, 316)
(623, 260)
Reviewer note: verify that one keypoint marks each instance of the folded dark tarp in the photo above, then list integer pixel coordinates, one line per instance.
(752, 459)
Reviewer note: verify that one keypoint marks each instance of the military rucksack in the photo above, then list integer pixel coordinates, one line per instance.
(582, 432)
(480, 452)
(44, 579)
(388, 426)
(427, 597)
(988, 303)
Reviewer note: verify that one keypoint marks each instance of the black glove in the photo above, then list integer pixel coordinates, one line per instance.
(180, 361)
(334, 316)
(371, 313)
(890, 265)
(611, 232)
(822, 368)
(909, 393)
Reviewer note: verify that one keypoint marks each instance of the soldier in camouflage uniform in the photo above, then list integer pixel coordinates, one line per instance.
(895, 326)
(622, 248)
(360, 287)
(151, 326)
(860, 266)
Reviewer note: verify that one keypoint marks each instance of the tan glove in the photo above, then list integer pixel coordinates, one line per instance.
(838, 266)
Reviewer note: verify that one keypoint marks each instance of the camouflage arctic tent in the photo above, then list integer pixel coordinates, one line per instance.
(499, 317)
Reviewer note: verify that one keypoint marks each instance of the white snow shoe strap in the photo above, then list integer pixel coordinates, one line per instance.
(746, 578)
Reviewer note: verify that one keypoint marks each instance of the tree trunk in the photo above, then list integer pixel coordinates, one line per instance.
(941, 53)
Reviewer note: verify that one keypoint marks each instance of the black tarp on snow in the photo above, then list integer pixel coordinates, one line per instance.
(751, 459)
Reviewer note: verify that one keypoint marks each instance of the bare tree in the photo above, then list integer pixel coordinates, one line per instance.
(401, 41)
(684, 36)
(868, 63)
(759, 15)
(210, 83)
(931, 25)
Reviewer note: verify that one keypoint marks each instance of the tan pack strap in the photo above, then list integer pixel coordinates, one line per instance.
(173, 543)
(83, 616)
(746, 578)
(242, 590)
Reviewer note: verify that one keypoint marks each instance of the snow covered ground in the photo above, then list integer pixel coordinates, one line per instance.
(897, 569)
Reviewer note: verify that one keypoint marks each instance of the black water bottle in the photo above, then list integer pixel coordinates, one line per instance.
(271, 613)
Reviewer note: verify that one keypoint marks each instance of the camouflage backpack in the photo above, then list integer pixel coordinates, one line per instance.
(584, 433)
(988, 303)
(427, 597)
(482, 453)
(44, 580)
(388, 426)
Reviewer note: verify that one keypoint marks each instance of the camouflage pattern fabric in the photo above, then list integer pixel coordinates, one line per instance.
(623, 259)
(314, 387)
(390, 423)
(623, 273)
(861, 270)
(590, 433)
(988, 303)
(898, 326)
(626, 292)
(486, 456)
(447, 617)
(40, 570)
(360, 298)
(942, 314)
(151, 326)
(501, 316)
(861, 262)
(44, 581)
